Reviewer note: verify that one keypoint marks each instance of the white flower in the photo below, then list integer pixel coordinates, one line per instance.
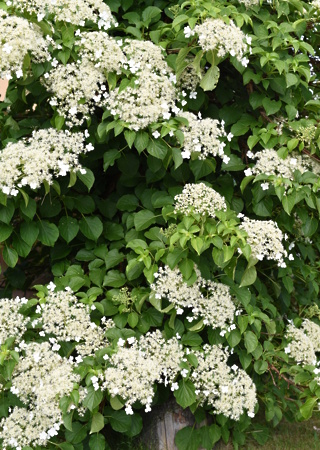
(248, 172)
(188, 32)
(265, 186)
(156, 134)
(121, 342)
(128, 410)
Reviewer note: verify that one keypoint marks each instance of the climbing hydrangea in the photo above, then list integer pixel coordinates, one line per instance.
(70, 11)
(265, 239)
(270, 163)
(77, 90)
(151, 92)
(32, 161)
(300, 346)
(133, 371)
(18, 38)
(229, 390)
(215, 34)
(40, 379)
(69, 320)
(201, 137)
(206, 299)
(12, 323)
(199, 199)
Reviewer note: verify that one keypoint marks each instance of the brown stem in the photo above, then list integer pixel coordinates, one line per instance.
(287, 380)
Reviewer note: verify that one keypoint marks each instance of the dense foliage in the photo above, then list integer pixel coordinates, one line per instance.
(159, 168)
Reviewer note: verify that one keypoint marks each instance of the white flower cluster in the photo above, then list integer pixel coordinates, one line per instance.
(229, 390)
(205, 298)
(76, 90)
(249, 3)
(69, 320)
(18, 37)
(301, 346)
(315, 4)
(79, 87)
(133, 370)
(31, 161)
(101, 50)
(215, 34)
(265, 239)
(70, 11)
(201, 136)
(270, 163)
(312, 330)
(40, 379)
(12, 323)
(190, 80)
(151, 93)
(199, 199)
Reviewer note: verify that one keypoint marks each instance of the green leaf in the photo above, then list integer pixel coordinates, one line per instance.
(59, 122)
(68, 228)
(141, 141)
(271, 106)
(188, 439)
(185, 395)
(249, 277)
(210, 79)
(307, 408)
(128, 202)
(157, 148)
(209, 435)
(310, 226)
(10, 256)
(150, 14)
(48, 233)
(134, 269)
(78, 434)
(93, 398)
(64, 446)
(67, 420)
(133, 319)
(250, 341)
(191, 339)
(86, 178)
(5, 231)
(97, 423)
(116, 403)
(234, 338)
(98, 442)
(113, 258)
(30, 209)
(114, 278)
(130, 136)
(110, 157)
(6, 213)
(20, 246)
(29, 232)
(291, 80)
(91, 227)
(120, 421)
(143, 219)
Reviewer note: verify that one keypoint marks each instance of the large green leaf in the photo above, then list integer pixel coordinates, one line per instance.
(188, 438)
(143, 219)
(97, 423)
(68, 228)
(93, 398)
(5, 231)
(91, 227)
(48, 233)
(185, 395)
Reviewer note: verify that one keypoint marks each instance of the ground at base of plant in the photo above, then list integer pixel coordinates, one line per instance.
(286, 436)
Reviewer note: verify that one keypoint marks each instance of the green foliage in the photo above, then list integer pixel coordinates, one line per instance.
(104, 232)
